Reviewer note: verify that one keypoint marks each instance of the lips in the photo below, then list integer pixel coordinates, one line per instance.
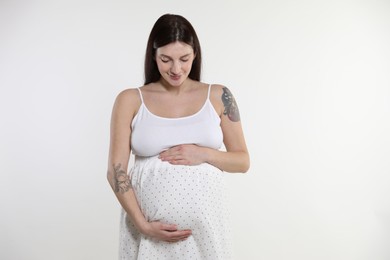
(175, 77)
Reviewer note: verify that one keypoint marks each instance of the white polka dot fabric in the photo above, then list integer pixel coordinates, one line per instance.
(191, 197)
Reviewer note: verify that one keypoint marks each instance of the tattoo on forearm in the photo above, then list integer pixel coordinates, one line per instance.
(121, 179)
(231, 108)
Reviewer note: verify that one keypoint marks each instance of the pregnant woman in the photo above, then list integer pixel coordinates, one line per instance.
(173, 196)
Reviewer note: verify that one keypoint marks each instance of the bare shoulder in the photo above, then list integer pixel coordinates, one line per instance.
(216, 91)
(128, 101)
(130, 93)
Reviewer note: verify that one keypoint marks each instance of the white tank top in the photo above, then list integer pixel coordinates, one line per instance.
(152, 134)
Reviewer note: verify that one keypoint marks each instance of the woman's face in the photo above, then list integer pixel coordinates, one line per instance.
(174, 62)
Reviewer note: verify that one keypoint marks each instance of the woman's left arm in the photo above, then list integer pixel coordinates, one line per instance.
(236, 156)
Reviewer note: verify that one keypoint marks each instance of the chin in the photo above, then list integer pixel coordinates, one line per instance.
(175, 83)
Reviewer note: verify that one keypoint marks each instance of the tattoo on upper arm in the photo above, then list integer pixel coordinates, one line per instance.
(231, 108)
(121, 179)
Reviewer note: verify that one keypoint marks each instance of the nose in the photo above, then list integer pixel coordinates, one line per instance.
(176, 67)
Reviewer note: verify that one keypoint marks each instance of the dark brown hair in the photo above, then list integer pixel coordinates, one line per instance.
(167, 29)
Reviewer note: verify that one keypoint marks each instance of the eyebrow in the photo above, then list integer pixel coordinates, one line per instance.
(166, 56)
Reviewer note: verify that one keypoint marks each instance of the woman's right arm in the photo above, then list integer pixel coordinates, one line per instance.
(125, 107)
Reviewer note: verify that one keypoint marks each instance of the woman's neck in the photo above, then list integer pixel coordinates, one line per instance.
(177, 90)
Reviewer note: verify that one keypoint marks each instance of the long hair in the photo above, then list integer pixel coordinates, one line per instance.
(167, 29)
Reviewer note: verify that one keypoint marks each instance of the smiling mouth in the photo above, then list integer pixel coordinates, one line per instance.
(174, 77)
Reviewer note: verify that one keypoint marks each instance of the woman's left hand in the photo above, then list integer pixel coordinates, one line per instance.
(184, 154)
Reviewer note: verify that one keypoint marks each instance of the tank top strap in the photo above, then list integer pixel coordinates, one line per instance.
(208, 93)
(140, 95)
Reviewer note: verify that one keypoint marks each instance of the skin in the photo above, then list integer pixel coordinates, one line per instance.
(174, 96)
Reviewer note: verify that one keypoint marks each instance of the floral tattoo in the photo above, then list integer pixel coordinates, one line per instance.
(121, 179)
(231, 108)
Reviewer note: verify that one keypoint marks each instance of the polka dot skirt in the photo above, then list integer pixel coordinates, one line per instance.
(192, 197)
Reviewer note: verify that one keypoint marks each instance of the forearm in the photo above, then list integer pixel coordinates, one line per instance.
(237, 161)
(121, 185)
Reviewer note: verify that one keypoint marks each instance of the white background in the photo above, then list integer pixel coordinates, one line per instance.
(312, 82)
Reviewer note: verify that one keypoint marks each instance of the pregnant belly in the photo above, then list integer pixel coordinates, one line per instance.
(187, 196)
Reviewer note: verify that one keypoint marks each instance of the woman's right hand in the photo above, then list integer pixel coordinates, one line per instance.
(166, 232)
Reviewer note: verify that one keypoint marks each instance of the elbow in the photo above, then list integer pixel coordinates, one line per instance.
(245, 165)
(245, 170)
(110, 179)
(109, 176)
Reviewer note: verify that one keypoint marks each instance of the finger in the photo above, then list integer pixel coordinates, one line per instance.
(184, 237)
(181, 234)
(167, 156)
(178, 233)
(172, 158)
(169, 227)
(170, 150)
(165, 153)
(176, 162)
(176, 239)
(174, 150)
(188, 232)
(179, 162)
